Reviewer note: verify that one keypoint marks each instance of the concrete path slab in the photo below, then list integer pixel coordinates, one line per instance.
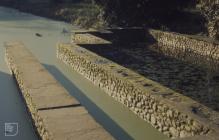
(56, 115)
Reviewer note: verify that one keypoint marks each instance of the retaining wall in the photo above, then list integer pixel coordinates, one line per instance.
(188, 48)
(56, 115)
(168, 111)
(194, 49)
(87, 38)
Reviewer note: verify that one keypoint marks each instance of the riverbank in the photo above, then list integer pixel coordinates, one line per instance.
(193, 19)
(84, 13)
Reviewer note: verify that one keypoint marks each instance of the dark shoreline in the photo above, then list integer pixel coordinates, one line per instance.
(30, 8)
(65, 12)
(88, 14)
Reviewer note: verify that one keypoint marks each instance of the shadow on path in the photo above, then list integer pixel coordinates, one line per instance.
(96, 112)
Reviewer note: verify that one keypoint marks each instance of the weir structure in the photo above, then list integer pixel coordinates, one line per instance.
(55, 114)
(172, 113)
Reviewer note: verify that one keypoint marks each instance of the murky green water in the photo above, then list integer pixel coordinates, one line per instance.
(115, 117)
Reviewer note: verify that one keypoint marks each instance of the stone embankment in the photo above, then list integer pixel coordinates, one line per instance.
(55, 114)
(168, 68)
(188, 48)
(194, 49)
(83, 37)
(170, 112)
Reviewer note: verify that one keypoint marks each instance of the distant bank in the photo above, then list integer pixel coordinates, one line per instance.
(77, 12)
(191, 17)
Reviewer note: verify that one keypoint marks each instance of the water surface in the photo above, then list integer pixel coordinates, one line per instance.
(116, 118)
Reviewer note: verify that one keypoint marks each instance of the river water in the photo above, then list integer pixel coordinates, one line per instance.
(113, 116)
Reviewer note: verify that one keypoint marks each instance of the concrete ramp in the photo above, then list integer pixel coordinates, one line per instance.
(55, 114)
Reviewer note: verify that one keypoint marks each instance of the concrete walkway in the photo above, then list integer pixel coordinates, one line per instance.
(55, 114)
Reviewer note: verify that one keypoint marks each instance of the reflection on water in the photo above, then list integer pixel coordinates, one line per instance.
(116, 118)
